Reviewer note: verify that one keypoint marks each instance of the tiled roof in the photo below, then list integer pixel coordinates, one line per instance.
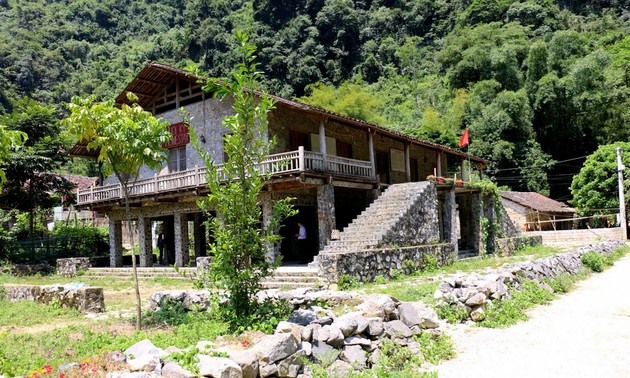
(151, 81)
(80, 182)
(537, 201)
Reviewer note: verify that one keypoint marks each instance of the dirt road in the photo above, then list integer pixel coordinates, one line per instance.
(585, 333)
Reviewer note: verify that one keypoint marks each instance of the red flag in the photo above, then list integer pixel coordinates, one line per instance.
(464, 141)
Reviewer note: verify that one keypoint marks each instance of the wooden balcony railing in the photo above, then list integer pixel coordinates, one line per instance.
(277, 164)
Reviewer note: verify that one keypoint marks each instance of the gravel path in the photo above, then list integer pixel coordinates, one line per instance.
(585, 333)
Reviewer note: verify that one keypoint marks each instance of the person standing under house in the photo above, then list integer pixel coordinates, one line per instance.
(160, 245)
(301, 242)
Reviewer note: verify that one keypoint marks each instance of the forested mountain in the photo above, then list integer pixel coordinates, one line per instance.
(534, 81)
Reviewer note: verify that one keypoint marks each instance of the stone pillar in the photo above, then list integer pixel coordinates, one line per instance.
(439, 163)
(462, 169)
(115, 243)
(477, 213)
(325, 213)
(449, 217)
(199, 230)
(181, 239)
(145, 237)
(273, 249)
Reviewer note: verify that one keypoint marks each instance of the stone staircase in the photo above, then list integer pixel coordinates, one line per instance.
(376, 226)
(291, 277)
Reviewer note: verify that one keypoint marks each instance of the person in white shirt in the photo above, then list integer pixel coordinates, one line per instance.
(301, 242)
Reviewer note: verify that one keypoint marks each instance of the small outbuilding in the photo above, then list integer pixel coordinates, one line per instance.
(531, 211)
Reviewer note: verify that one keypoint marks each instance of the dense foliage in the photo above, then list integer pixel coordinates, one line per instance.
(596, 187)
(534, 81)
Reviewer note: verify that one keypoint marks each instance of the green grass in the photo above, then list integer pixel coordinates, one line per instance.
(27, 313)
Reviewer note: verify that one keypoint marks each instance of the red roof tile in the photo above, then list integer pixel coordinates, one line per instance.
(537, 201)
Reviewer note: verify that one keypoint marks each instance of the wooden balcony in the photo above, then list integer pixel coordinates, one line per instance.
(275, 165)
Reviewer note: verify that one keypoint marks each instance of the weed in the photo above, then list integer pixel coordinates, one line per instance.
(395, 274)
(436, 348)
(430, 263)
(452, 313)
(187, 359)
(563, 283)
(508, 312)
(596, 261)
(380, 280)
(346, 282)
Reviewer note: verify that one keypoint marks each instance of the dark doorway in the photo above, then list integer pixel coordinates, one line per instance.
(382, 166)
(289, 248)
(349, 203)
(413, 165)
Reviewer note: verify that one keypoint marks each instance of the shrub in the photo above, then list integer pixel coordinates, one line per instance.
(346, 282)
(81, 241)
(595, 261)
(507, 312)
(452, 313)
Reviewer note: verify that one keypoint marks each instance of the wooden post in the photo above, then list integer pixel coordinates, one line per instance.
(371, 151)
(301, 158)
(407, 162)
(439, 163)
(322, 142)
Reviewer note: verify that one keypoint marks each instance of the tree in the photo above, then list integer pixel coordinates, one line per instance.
(31, 182)
(126, 138)
(595, 187)
(240, 242)
(9, 141)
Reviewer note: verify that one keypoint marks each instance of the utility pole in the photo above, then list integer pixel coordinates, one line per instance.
(622, 201)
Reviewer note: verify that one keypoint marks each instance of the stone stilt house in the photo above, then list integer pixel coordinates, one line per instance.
(333, 165)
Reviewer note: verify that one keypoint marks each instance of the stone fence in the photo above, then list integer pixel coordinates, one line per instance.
(473, 292)
(507, 246)
(366, 265)
(84, 299)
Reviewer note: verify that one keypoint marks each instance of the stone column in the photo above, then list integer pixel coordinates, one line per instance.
(322, 142)
(439, 163)
(325, 213)
(477, 213)
(199, 230)
(449, 216)
(115, 243)
(145, 237)
(181, 239)
(273, 249)
(371, 152)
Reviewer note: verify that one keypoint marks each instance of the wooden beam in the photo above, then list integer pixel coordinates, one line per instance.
(352, 185)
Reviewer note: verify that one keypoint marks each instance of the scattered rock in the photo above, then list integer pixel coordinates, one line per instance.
(218, 367)
(272, 348)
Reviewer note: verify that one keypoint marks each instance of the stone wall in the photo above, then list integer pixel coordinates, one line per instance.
(83, 298)
(591, 235)
(474, 292)
(366, 265)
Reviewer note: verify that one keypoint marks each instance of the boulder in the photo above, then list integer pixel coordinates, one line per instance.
(123, 374)
(306, 348)
(354, 355)
(478, 314)
(218, 367)
(172, 369)
(408, 314)
(358, 340)
(272, 348)
(290, 367)
(143, 347)
(292, 328)
(248, 362)
(146, 362)
(324, 354)
(347, 323)
(302, 317)
(339, 369)
(375, 327)
(476, 299)
(335, 337)
(269, 370)
(396, 328)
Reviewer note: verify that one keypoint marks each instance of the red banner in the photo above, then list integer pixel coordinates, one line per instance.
(180, 135)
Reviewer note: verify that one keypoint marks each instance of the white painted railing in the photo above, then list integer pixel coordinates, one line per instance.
(286, 162)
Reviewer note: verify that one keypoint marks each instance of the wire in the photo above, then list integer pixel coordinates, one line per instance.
(541, 166)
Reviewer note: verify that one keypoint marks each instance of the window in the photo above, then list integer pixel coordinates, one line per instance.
(177, 159)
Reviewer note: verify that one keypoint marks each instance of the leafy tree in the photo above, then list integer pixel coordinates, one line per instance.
(240, 242)
(595, 187)
(349, 99)
(31, 182)
(126, 138)
(10, 140)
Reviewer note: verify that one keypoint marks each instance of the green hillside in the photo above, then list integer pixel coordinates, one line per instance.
(534, 81)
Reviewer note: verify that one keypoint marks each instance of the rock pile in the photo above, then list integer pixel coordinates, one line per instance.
(473, 292)
(339, 344)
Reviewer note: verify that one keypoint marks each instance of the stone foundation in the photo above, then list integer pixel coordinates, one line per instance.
(84, 299)
(71, 266)
(366, 265)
